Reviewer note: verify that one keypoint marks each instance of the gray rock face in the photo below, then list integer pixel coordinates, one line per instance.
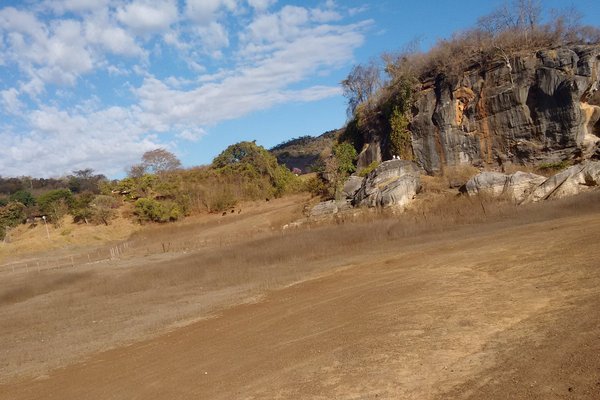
(571, 181)
(352, 185)
(541, 109)
(516, 186)
(330, 207)
(394, 182)
(528, 188)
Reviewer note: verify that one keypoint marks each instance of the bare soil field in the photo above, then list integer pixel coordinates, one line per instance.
(484, 301)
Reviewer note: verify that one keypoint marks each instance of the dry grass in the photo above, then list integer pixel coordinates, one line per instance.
(28, 240)
(94, 307)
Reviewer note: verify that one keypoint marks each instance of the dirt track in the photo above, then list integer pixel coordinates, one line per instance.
(511, 312)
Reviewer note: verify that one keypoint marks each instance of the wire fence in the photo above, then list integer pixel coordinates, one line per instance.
(46, 263)
(111, 253)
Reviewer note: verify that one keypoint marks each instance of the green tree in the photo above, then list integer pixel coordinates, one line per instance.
(23, 197)
(150, 210)
(346, 156)
(338, 167)
(84, 180)
(11, 215)
(81, 207)
(55, 204)
(256, 163)
(104, 209)
(400, 137)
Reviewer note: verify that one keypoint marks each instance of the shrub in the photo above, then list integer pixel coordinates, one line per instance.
(255, 164)
(11, 215)
(315, 186)
(554, 166)
(400, 138)
(55, 204)
(150, 210)
(103, 209)
(23, 197)
(366, 171)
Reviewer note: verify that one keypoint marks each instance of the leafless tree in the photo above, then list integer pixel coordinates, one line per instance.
(361, 84)
(156, 161)
(160, 160)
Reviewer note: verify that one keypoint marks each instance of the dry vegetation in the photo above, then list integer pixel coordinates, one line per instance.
(91, 307)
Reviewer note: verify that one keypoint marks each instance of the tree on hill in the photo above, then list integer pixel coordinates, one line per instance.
(11, 215)
(84, 180)
(23, 197)
(250, 159)
(361, 84)
(157, 161)
(55, 204)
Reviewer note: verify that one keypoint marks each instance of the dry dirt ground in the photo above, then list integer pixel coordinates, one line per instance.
(503, 309)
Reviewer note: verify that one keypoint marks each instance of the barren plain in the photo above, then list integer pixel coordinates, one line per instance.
(488, 301)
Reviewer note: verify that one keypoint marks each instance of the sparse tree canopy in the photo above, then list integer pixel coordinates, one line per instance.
(158, 161)
(84, 180)
(361, 84)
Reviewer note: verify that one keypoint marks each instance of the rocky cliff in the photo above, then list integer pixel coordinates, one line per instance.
(528, 108)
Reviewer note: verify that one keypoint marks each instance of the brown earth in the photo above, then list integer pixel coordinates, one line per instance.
(506, 308)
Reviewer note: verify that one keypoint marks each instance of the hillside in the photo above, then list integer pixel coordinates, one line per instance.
(502, 93)
(304, 152)
(420, 307)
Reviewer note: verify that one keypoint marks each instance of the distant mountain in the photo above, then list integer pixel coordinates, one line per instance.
(304, 152)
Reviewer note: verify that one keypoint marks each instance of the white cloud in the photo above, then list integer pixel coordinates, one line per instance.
(146, 17)
(191, 134)
(60, 141)
(213, 37)
(204, 11)
(10, 101)
(181, 93)
(77, 6)
(261, 5)
(321, 15)
(101, 31)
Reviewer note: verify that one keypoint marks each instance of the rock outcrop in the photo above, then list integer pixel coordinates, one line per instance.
(524, 187)
(393, 183)
(531, 108)
(571, 181)
(517, 186)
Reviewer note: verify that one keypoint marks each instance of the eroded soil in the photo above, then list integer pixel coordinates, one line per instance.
(495, 312)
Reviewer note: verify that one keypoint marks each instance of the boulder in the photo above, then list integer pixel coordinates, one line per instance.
(515, 186)
(352, 185)
(569, 182)
(393, 183)
(491, 183)
(330, 207)
(400, 192)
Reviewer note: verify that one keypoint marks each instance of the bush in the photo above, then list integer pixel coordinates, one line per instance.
(23, 197)
(255, 164)
(103, 209)
(553, 166)
(150, 210)
(315, 186)
(400, 138)
(11, 215)
(366, 171)
(55, 204)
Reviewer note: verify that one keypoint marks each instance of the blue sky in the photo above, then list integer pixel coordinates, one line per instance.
(96, 83)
